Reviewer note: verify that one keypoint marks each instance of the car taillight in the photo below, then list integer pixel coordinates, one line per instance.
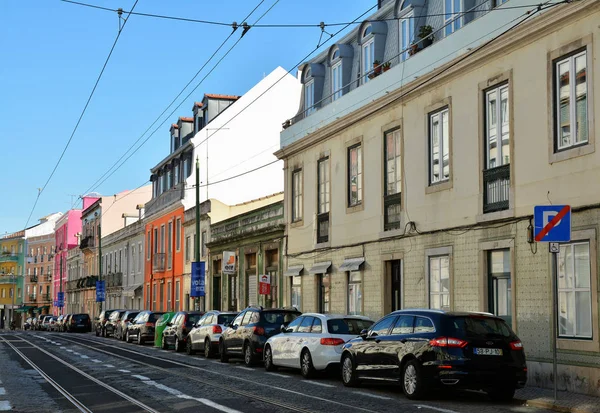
(149, 324)
(448, 342)
(259, 331)
(72, 321)
(217, 330)
(516, 345)
(331, 341)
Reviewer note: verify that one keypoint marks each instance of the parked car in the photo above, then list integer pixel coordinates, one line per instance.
(207, 332)
(313, 342)
(28, 323)
(52, 323)
(121, 326)
(177, 330)
(249, 331)
(79, 322)
(101, 322)
(66, 322)
(424, 349)
(62, 326)
(142, 327)
(111, 323)
(160, 326)
(45, 326)
(57, 325)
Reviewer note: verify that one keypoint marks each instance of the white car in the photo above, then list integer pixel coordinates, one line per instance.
(206, 333)
(313, 342)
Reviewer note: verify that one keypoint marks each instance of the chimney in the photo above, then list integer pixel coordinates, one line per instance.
(141, 210)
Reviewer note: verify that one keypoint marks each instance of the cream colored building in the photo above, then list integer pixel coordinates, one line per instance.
(416, 188)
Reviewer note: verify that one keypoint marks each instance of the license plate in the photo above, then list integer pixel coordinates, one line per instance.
(488, 351)
(80, 325)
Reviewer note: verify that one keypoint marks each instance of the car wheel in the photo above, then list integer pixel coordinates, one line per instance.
(140, 341)
(103, 332)
(177, 345)
(223, 352)
(269, 366)
(164, 344)
(97, 333)
(501, 394)
(189, 348)
(412, 380)
(248, 357)
(208, 353)
(306, 365)
(348, 372)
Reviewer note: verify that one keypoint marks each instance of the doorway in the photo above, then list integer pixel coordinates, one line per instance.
(396, 281)
(216, 292)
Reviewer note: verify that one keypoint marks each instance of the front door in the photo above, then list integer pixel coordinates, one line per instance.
(216, 293)
(232, 293)
(396, 285)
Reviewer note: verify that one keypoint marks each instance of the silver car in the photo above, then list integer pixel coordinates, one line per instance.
(206, 333)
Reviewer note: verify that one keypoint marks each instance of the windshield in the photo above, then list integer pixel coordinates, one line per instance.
(478, 326)
(154, 316)
(278, 317)
(193, 319)
(81, 317)
(348, 326)
(225, 318)
(131, 316)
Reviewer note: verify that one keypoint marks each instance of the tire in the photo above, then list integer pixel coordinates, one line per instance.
(164, 344)
(413, 383)
(501, 394)
(268, 359)
(190, 351)
(177, 345)
(104, 332)
(349, 372)
(223, 352)
(208, 353)
(127, 337)
(140, 341)
(97, 333)
(306, 365)
(248, 356)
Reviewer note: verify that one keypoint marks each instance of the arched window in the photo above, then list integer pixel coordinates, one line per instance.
(367, 31)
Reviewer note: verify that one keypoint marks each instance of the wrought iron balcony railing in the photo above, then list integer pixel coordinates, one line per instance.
(496, 189)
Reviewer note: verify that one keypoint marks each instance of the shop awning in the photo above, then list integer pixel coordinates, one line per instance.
(320, 267)
(351, 264)
(24, 309)
(293, 270)
(129, 291)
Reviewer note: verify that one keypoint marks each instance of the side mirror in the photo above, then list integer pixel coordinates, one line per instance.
(364, 333)
(283, 328)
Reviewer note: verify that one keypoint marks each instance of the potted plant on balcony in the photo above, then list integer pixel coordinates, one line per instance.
(377, 67)
(386, 66)
(414, 49)
(426, 36)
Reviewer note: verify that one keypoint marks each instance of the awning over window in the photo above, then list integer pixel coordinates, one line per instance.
(351, 264)
(294, 270)
(129, 291)
(320, 267)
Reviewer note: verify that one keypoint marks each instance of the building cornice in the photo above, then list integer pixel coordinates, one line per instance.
(550, 21)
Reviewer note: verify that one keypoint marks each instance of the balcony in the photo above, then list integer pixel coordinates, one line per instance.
(33, 278)
(496, 189)
(45, 298)
(7, 256)
(32, 298)
(392, 210)
(158, 265)
(114, 280)
(87, 243)
(323, 228)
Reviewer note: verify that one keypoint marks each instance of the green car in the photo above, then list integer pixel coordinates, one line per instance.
(160, 326)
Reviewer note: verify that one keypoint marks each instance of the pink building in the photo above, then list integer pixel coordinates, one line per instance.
(67, 229)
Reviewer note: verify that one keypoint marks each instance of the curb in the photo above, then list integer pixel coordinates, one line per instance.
(555, 407)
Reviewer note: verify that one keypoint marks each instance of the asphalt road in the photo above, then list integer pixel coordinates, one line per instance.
(62, 372)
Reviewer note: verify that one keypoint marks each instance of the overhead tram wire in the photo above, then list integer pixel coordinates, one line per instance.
(283, 25)
(87, 103)
(96, 185)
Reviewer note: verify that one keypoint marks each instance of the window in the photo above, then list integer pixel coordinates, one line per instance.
(355, 175)
(574, 291)
(453, 16)
(439, 147)
(297, 292)
(317, 326)
(407, 33)
(368, 57)
(203, 245)
(155, 241)
(177, 292)
(187, 249)
(154, 297)
(178, 235)
(393, 180)
(354, 293)
(323, 200)
(439, 282)
(162, 239)
(140, 255)
(161, 297)
(297, 195)
(336, 81)
(424, 325)
(499, 282)
(404, 325)
(306, 325)
(497, 127)
(133, 260)
(169, 296)
(148, 244)
(571, 103)
(170, 246)
(324, 293)
(309, 97)
(382, 328)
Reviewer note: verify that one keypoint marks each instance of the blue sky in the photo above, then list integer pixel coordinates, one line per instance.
(53, 51)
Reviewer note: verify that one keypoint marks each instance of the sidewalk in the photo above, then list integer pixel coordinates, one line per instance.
(567, 402)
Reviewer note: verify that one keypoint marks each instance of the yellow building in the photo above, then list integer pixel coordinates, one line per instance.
(11, 275)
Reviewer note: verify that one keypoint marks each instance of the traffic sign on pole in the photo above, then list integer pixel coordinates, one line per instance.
(552, 223)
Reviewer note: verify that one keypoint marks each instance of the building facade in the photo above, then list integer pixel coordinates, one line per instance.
(73, 299)
(12, 267)
(416, 187)
(40, 270)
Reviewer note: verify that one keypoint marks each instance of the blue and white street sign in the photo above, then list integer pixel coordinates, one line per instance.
(552, 223)
(198, 286)
(60, 302)
(100, 291)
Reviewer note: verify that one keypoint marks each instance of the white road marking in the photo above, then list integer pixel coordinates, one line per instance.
(83, 356)
(437, 409)
(109, 366)
(362, 393)
(244, 368)
(58, 344)
(2, 391)
(96, 361)
(318, 384)
(124, 371)
(69, 350)
(278, 375)
(5, 405)
(63, 347)
(137, 376)
(210, 403)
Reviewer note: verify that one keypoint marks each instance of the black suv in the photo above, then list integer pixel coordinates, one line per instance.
(424, 349)
(178, 329)
(247, 334)
(78, 322)
(142, 327)
(101, 322)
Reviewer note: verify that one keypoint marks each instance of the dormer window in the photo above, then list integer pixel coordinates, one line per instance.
(368, 30)
(336, 75)
(309, 97)
(372, 46)
(453, 16)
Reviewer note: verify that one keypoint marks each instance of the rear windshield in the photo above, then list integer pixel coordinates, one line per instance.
(278, 317)
(193, 319)
(80, 317)
(154, 316)
(132, 316)
(348, 326)
(225, 318)
(477, 326)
